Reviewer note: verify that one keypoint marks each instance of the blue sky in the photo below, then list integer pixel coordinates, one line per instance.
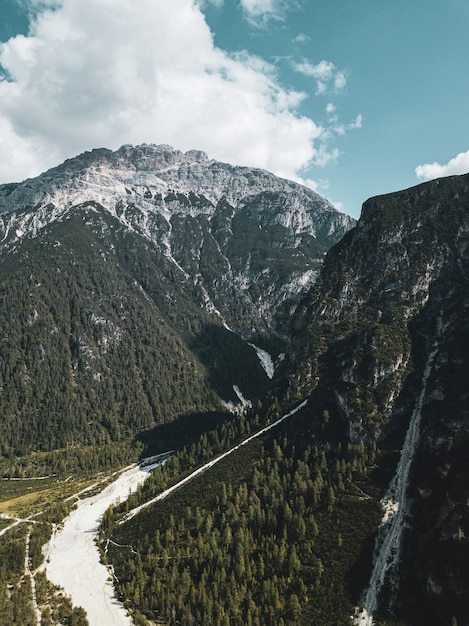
(354, 98)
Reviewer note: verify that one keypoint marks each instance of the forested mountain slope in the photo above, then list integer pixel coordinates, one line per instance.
(129, 282)
(284, 532)
(132, 284)
(391, 301)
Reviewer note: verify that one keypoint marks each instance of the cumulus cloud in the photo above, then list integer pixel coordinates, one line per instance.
(328, 78)
(90, 75)
(148, 72)
(458, 165)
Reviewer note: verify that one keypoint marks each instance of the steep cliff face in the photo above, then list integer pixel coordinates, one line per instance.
(436, 551)
(382, 338)
(407, 254)
(250, 242)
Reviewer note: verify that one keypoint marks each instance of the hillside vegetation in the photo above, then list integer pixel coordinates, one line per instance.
(127, 314)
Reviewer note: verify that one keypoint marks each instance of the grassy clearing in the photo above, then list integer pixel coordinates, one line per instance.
(29, 497)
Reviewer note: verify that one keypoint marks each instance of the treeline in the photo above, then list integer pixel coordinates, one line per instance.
(208, 433)
(16, 591)
(273, 535)
(100, 340)
(76, 460)
(211, 430)
(228, 430)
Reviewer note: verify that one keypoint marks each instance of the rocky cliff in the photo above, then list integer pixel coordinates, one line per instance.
(249, 242)
(381, 339)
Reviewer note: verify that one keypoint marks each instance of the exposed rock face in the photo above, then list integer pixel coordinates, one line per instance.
(250, 242)
(394, 290)
(121, 274)
(437, 550)
(407, 255)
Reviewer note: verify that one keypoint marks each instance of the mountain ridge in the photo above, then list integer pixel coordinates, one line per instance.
(375, 345)
(179, 200)
(134, 289)
(160, 167)
(108, 234)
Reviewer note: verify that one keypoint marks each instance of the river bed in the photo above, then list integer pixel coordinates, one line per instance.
(72, 559)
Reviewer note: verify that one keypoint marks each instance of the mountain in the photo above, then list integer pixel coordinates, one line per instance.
(354, 510)
(133, 283)
(380, 344)
(247, 240)
(145, 290)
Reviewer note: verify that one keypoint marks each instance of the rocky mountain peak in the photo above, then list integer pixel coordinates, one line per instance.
(147, 172)
(263, 237)
(149, 264)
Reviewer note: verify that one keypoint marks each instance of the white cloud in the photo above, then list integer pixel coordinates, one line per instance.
(325, 155)
(91, 75)
(262, 12)
(340, 81)
(257, 12)
(323, 70)
(205, 3)
(357, 123)
(301, 38)
(342, 129)
(21, 156)
(312, 184)
(328, 78)
(320, 186)
(458, 165)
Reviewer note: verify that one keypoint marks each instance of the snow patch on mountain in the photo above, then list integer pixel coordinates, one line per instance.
(265, 360)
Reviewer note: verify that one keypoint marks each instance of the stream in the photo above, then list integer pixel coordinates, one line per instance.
(395, 504)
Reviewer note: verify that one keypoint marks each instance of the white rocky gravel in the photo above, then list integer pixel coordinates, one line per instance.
(72, 559)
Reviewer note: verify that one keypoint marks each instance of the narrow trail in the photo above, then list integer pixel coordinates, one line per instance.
(210, 464)
(15, 522)
(387, 553)
(72, 559)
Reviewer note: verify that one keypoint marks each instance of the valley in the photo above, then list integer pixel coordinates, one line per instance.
(305, 371)
(72, 560)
